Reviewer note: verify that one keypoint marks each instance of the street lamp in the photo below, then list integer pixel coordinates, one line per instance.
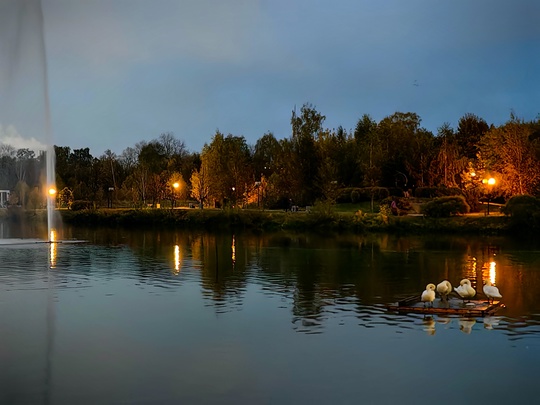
(109, 197)
(489, 183)
(175, 185)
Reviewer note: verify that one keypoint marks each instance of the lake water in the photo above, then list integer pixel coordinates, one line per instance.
(149, 317)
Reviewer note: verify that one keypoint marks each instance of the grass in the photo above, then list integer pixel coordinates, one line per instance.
(351, 208)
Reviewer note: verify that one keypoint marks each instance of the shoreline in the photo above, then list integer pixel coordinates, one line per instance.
(258, 220)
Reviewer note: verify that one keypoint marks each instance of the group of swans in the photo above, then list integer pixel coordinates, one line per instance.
(465, 291)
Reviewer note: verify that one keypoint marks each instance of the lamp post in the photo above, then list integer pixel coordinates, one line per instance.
(489, 184)
(258, 185)
(175, 185)
(109, 197)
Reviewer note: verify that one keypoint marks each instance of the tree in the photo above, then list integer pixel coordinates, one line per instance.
(172, 147)
(508, 151)
(25, 159)
(447, 165)
(265, 154)
(152, 171)
(370, 153)
(200, 187)
(8, 173)
(345, 155)
(469, 134)
(80, 164)
(285, 183)
(306, 127)
(327, 182)
(405, 148)
(229, 167)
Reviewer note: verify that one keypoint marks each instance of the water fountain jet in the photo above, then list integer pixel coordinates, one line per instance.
(25, 118)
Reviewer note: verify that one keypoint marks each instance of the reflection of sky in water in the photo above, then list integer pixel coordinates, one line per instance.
(291, 321)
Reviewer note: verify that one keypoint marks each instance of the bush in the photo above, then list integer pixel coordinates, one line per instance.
(79, 205)
(523, 210)
(378, 193)
(403, 204)
(443, 207)
(517, 204)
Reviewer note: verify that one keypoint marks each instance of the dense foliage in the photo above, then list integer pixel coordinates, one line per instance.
(393, 157)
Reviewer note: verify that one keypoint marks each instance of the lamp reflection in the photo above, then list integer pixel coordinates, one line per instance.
(471, 268)
(177, 259)
(52, 249)
(492, 272)
(233, 250)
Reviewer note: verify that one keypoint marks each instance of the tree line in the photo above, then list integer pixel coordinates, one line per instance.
(313, 164)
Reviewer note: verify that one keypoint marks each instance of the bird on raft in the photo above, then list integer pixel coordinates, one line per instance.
(465, 290)
(444, 288)
(428, 296)
(491, 291)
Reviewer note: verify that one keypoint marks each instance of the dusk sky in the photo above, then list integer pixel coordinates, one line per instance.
(123, 71)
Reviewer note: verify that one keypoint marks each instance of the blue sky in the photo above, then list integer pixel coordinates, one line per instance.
(123, 71)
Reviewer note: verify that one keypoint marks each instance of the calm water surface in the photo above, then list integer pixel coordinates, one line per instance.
(197, 318)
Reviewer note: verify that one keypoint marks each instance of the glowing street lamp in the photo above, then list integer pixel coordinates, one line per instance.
(52, 194)
(489, 183)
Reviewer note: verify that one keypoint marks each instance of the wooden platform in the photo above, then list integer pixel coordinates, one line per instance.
(453, 306)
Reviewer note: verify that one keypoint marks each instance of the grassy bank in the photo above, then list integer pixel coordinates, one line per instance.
(316, 220)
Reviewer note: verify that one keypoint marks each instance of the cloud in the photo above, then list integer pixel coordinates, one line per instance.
(9, 136)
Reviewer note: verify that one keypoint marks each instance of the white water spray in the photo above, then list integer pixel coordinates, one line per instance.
(24, 93)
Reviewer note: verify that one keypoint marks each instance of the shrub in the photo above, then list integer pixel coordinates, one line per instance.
(523, 210)
(518, 203)
(403, 204)
(443, 207)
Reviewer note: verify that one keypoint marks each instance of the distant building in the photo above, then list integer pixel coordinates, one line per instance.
(4, 198)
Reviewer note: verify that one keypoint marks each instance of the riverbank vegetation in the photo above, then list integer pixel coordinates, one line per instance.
(320, 218)
(315, 166)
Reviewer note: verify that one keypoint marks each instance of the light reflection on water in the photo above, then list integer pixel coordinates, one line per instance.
(286, 318)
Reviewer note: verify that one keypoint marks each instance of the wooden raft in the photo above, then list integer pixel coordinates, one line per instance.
(453, 306)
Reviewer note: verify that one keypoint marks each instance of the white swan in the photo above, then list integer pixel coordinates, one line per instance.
(429, 294)
(465, 289)
(491, 291)
(444, 288)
